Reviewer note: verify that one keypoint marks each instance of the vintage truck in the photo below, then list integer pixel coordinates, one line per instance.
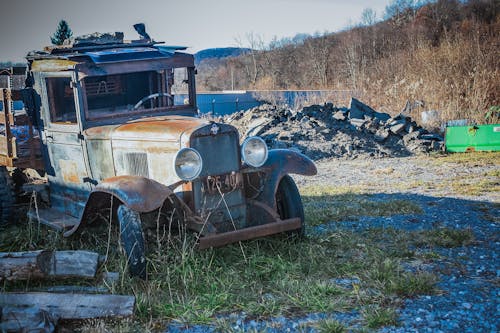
(102, 121)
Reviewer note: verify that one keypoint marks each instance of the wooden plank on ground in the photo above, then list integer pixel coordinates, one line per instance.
(73, 306)
(30, 319)
(48, 264)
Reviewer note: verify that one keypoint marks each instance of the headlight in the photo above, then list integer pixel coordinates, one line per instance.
(187, 164)
(254, 151)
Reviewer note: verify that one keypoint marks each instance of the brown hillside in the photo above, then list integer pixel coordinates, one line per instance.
(444, 55)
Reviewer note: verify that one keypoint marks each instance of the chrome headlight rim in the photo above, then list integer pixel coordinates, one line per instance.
(179, 154)
(244, 155)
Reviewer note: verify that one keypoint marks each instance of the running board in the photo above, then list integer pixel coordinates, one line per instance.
(53, 218)
(222, 239)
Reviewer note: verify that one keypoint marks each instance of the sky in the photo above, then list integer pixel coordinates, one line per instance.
(26, 25)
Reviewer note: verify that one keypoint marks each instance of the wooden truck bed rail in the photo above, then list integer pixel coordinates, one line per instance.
(13, 153)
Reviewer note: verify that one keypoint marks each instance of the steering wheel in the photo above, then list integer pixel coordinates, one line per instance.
(155, 95)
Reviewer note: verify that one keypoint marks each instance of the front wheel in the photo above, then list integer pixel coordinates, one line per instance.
(132, 240)
(289, 203)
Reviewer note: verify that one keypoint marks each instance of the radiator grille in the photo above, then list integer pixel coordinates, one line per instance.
(220, 153)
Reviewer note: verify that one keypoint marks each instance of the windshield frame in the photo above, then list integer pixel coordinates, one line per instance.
(189, 108)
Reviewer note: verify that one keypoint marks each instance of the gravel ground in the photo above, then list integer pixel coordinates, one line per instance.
(469, 293)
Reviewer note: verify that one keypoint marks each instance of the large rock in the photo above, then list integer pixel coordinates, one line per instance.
(398, 127)
(357, 122)
(339, 115)
(358, 110)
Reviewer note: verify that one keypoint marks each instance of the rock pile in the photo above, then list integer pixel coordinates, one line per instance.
(322, 131)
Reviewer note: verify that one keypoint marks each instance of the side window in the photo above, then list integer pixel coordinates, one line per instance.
(61, 100)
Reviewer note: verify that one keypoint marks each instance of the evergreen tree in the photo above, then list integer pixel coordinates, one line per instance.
(63, 32)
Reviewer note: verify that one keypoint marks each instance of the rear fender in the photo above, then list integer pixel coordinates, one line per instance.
(138, 193)
(281, 162)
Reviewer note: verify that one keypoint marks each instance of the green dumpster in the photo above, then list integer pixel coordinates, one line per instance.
(472, 138)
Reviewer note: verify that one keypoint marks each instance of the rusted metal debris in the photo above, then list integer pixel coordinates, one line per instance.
(249, 233)
(48, 264)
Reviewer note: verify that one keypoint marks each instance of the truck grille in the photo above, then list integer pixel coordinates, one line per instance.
(220, 153)
(221, 157)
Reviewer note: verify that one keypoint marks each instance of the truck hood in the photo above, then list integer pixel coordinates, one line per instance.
(163, 128)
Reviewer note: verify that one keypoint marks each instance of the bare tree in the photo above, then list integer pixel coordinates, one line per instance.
(250, 59)
(368, 17)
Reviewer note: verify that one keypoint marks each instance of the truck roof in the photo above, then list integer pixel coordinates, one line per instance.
(128, 50)
(64, 57)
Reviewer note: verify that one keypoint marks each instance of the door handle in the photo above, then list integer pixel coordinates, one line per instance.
(50, 138)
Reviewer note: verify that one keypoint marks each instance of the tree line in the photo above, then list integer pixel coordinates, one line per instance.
(443, 54)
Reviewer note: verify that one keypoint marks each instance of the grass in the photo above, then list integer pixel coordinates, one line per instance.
(330, 326)
(489, 211)
(323, 204)
(469, 159)
(376, 317)
(474, 187)
(443, 237)
(263, 278)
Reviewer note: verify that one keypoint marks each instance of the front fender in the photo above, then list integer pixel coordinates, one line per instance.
(138, 193)
(281, 162)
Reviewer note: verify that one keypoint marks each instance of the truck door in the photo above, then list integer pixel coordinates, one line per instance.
(68, 173)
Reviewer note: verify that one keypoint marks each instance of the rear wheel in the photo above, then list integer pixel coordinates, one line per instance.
(7, 198)
(289, 203)
(132, 240)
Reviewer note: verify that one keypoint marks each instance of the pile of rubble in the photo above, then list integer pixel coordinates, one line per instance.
(323, 131)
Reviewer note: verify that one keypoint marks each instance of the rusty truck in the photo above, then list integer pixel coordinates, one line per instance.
(102, 121)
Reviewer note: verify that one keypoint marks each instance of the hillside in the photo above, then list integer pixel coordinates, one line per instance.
(440, 56)
(218, 53)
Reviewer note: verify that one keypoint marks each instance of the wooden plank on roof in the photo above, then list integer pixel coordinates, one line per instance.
(73, 306)
(51, 65)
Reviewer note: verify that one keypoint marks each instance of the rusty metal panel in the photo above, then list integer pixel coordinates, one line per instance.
(219, 240)
(91, 69)
(163, 128)
(139, 193)
(100, 158)
(281, 162)
(52, 65)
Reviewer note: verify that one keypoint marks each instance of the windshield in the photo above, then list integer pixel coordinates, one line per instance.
(110, 96)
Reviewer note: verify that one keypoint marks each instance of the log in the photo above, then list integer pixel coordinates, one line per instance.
(48, 264)
(74, 289)
(30, 319)
(73, 306)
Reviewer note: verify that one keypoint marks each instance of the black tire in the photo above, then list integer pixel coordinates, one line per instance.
(132, 241)
(7, 197)
(289, 203)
